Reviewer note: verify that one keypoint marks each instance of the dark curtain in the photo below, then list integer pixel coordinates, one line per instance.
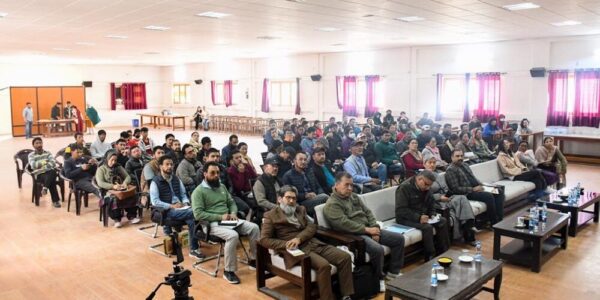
(298, 109)
(113, 98)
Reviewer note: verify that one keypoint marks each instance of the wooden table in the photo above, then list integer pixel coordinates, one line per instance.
(579, 215)
(163, 120)
(531, 248)
(562, 138)
(465, 280)
(50, 127)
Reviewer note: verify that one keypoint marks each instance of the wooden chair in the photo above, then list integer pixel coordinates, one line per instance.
(21, 159)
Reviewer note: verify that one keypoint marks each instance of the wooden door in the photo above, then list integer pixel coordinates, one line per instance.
(19, 96)
(75, 94)
(46, 99)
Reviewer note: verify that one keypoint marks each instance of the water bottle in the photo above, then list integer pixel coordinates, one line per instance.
(434, 277)
(531, 218)
(478, 251)
(544, 215)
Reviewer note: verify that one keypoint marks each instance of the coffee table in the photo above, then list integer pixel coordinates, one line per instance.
(465, 280)
(531, 248)
(579, 215)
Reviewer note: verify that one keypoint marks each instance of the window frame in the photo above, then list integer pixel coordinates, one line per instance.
(276, 87)
(176, 100)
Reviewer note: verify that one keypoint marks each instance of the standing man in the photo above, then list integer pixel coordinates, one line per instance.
(461, 181)
(287, 226)
(43, 168)
(347, 213)
(212, 202)
(28, 118)
(414, 208)
(68, 114)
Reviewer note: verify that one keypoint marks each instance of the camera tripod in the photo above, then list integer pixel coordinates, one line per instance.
(179, 279)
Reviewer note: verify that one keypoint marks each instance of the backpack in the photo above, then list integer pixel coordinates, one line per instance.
(366, 283)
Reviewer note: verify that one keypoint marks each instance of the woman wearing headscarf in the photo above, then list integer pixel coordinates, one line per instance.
(462, 218)
(431, 149)
(113, 177)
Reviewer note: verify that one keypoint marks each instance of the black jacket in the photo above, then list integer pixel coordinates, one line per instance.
(369, 154)
(320, 176)
(73, 170)
(305, 183)
(284, 166)
(55, 113)
(412, 203)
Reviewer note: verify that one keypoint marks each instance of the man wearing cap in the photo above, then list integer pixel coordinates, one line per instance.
(266, 186)
(308, 142)
(357, 167)
(425, 136)
(285, 161)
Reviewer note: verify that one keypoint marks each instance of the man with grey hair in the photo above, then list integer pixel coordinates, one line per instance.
(415, 208)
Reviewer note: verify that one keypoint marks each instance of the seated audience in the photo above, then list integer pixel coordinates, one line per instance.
(111, 176)
(490, 133)
(412, 158)
(388, 118)
(322, 169)
(415, 208)
(285, 158)
(226, 151)
(266, 186)
(346, 212)
(212, 203)
(308, 142)
(135, 139)
(480, 146)
(371, 178)
(393, 129)
(318, 129)
(425, 120)
(288, 226)
(502, 123)
(269, 136)
(512, 168)
(195, 141)
(348, 139)
(99, 146)
(461, 181)
(431, 149)
(188, 168)
(79, 144)
(43, 167)
(474, 123)
(152, 168)
(462, 218)
(464, 127)
(177, 153)
(168, 192)
(447, 131)
(276, 147)
(245, 157)
(424, 138)
(435, 132)
(206, 145)
(550, 158)
(523, 129)
(413, 131)
(240, 175)
(135, 163)
(386, 153)
(81, 170)
(527, 158)
(146, 143)
(402, 145)
(122, 152)
(310, 193)
(352, 124)
(289, 141)
(464, 145)
(448, 147)
(168, 145)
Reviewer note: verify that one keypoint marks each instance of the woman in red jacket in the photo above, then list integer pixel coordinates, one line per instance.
(412, 158)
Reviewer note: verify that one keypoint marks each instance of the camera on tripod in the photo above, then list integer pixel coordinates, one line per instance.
(179, 280)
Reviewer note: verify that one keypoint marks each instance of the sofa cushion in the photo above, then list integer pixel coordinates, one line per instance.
(320, 216)
(382, 203)
(296, 270)
(515, 189)
(487, 172)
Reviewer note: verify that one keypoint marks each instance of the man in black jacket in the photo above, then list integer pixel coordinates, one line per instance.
(414, 208)
(310, 193)
(266, 187)
(122, 152)
(81, 170)
(323, 171)
(136, 162)
(285, 161)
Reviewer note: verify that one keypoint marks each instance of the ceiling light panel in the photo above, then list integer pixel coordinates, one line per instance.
(410, 19)
(566, 23)
(213, 15)
(521, 6)
(116, 36)
(157, 28)
(327, 29)
(3, 15)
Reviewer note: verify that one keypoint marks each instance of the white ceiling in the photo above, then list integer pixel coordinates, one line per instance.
(36, 30)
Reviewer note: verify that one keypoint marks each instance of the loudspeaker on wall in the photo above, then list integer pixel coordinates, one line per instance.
(315, 77)
(198, 81)
(87, 84)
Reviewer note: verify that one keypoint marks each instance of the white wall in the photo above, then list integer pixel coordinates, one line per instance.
(98, 95)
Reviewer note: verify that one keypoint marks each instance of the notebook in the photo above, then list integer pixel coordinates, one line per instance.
(398, 228)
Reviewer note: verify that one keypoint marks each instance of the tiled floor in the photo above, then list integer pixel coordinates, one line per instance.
(48, 253)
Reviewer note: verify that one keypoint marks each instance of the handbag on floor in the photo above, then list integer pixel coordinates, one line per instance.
(366, 282)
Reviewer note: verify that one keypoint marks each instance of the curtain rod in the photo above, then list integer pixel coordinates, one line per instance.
(501, 73)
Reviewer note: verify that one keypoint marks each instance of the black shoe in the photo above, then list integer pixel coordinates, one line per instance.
(197, 254)
(56, 204)
(231, 277)
(252, 264)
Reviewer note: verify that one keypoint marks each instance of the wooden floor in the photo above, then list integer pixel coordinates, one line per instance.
(48, 253)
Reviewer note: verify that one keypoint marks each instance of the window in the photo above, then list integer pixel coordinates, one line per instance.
(181, 94)
(361, 94)
(283, 93)
(454, 93)
(220, 93)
